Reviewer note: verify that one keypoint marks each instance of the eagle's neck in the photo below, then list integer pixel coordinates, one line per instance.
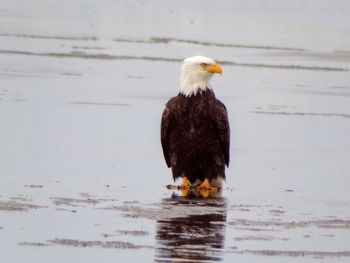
(191, 84)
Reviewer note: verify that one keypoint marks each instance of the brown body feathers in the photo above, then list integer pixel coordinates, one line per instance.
(195, 136)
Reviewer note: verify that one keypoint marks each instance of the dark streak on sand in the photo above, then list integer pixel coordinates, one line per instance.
(66, 210)
(86, 244)
(342, 115)
(259, 238)
(89, 38)
(34, 186)
(21, 199)
(72, 201)
(316, 254)
(276, 211)
(164, 40)
(67, 201)
(108, 235)
(35, 244)
(135, 77)
(326, 93)
(83, 55)
(133, 233)
(106, 244)
(15, 206)
(255, 229)
(89, 48)
(37, 75)
(324, 56)
(332, 223)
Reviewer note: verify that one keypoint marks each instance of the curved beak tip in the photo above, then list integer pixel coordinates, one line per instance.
(215, 68)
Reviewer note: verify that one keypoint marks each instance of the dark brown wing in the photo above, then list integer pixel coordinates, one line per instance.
(164, 134)
(223, 128)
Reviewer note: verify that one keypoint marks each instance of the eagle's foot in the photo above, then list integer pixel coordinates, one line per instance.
(206, 187)
(185, 186)
(206, 190)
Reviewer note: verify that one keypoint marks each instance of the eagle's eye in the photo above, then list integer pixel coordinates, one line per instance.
(204, 65)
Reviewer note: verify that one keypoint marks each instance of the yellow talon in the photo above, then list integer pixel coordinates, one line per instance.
(205, 185)
(185, 183)
(205, 188)
(185, 186)
(204, 193)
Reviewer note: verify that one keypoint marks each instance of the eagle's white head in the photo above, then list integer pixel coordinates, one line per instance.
(196, 73)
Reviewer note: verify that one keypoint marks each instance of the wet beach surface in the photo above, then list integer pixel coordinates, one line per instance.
(82, 90)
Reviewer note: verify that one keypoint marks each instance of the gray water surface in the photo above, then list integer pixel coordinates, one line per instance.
(82, 89)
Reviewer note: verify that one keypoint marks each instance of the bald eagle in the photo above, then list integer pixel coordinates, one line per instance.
(195, 133)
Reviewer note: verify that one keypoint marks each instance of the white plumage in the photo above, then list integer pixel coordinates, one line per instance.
(196, 73)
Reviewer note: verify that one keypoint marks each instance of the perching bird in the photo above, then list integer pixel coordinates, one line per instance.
(195, 133)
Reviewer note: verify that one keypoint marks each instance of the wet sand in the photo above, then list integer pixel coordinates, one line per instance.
(82, 172)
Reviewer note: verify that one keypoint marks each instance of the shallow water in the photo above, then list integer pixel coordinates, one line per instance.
(82, 172)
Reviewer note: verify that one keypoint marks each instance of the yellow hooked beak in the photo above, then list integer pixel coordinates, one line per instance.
(214, 68)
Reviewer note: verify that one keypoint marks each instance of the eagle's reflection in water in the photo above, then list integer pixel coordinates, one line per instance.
(193, 230)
